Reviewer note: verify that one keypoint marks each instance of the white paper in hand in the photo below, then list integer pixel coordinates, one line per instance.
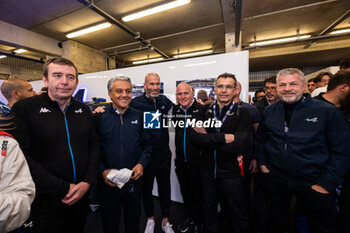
(119, 177)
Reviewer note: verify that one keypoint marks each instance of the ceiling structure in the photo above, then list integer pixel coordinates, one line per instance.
(197, 26)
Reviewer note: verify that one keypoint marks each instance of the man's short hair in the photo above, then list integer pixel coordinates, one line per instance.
(58, 61)
(119, 77)
(10, 85)
(271, 79)
(319, 76)
(341, 77)
(228, 75)
(291, 71)
(258, 91)
(344, 63)
(311, 80)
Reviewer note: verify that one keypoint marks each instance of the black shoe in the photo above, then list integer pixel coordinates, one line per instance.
(185, 225)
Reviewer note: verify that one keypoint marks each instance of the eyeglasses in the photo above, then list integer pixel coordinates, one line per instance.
(270, 88)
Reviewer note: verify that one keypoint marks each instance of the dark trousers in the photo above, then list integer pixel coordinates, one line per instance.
(317, 208)
(258, 211)
(344, 205)
(191, 190)
(52, 216)
(113, 198)
(159, 168)
(232, 190)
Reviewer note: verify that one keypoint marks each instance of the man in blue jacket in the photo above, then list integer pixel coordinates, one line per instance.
(302, 151)
(124, 144)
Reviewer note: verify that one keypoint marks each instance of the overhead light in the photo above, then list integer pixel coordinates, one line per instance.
(341, 31)
(88, 30)
(2, 56)
(20, 51)
(277, 41)
(194, 54)
(148, 60)
(200, 64)
(155, 10)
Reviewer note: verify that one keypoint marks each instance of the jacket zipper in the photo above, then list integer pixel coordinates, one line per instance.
(69, 143)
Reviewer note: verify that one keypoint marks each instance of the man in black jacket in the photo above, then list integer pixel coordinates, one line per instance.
(59, 141)
(223, 142)
(188, 157)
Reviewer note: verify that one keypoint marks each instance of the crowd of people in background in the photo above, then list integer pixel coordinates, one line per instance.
(239, 165)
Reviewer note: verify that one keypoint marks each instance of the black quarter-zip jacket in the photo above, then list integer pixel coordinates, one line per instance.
(61, 146)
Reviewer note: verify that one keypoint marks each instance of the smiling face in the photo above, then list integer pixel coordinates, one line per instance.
(120, 95)
(225, 90)
(152, 85)
(184, 95)
(290, 88)
(61, 81)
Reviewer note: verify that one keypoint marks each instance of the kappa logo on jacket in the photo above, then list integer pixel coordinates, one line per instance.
(314, 120)
(44, 110)
(79, 110)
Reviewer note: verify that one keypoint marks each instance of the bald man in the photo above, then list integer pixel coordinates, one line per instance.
(159, 166)
(187, 161)
(15, 89)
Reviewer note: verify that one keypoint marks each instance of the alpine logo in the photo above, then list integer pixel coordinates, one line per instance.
(44, 110)
(315, 119)
(30, 224)
(134, 122)
(79, 111)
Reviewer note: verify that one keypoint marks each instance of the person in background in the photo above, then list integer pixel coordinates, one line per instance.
(202, 97)
(188, 159)
(321, 81)
(311, 85)
(270, 94)
(251, 170)
(14, 89)
(307, 160)
(160, 162)
(259, 95)
(17, 189)
(58, 138)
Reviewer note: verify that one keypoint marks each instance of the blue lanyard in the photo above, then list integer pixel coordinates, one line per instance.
(227, 113)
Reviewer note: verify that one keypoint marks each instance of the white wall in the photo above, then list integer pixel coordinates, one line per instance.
(170, 72)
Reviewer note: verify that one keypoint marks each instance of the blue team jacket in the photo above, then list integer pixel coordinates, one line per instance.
(314, 149)
(122, 139)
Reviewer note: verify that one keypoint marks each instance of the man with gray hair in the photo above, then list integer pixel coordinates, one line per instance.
(125, 151)
(303, 151)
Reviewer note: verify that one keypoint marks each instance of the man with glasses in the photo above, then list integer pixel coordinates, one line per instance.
(271, 96)
(222, 148)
